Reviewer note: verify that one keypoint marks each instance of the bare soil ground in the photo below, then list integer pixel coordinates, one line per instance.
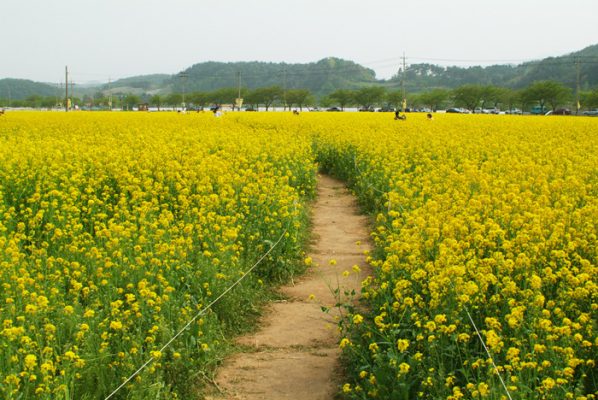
(294, 355)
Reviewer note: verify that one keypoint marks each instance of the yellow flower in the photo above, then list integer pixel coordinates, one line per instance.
(156, 354)
(116, 325)
(357, 319)
(30, 361)
(404, 368)
(402, 345)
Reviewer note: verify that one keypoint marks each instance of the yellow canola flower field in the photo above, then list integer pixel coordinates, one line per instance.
(116, 229)
(489, 217)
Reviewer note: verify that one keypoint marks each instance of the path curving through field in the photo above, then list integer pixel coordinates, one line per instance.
(295, 353)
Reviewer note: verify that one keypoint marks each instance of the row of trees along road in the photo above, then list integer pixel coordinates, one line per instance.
(547, 94)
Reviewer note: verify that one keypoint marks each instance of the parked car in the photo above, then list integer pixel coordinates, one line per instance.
(559, 111)
(513, 111)
(457, 111)
(333, 109)
(386, 109)
(591, 113)
(250, 109)
(366, 109)
(538, 110)
(490, 111)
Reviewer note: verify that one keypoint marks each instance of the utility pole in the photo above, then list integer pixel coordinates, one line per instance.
(284, 93)
(238, 101)
(578, 73)
(404, 103)
(109, 93)
(72, 94)
(66, 85)
(183, 76)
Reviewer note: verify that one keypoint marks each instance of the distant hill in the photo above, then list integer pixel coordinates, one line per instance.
(421, 77)
(139, 84)
(20, 89)
(329, 74)
(320, 77)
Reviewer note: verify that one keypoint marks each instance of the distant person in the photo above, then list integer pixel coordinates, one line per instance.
(430, 117)
(399, 116)
(295, 112)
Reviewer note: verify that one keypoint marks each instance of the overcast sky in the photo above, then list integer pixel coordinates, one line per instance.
(101, 39)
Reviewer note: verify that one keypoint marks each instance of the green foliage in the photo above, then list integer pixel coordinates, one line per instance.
(369, 96)
(468, 96)
(547, 92)
(315, 77)
(265, 96)
(342, 97)
(423, 76)
(299, 97)
(20, 89)
(434, 99)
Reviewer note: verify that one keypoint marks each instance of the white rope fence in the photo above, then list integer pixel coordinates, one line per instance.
(488, 352)
(203, 311)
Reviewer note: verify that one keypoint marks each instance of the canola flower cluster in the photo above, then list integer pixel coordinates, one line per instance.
(489, 217)
(116, 229)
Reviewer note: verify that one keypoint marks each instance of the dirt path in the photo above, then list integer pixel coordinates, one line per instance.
(295, 354)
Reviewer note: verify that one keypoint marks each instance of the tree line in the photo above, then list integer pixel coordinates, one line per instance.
(546, 94)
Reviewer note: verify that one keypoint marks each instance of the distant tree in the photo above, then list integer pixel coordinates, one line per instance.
(369, 96)
(173, 99)
(547, 92)
(101, 101)
(589, 100)
(298, 97)
(510, 98)
(435, 98)
(156, 100)
(395, 98)
(200, 99)
(87, 100)
(266, 95)
(342, 97)
(468, 96)
(34, 101)
(326, 101)
(132, 100)
(250, 98)
(223, 96)
(492, 95)
(414, 101)
(48, 102)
